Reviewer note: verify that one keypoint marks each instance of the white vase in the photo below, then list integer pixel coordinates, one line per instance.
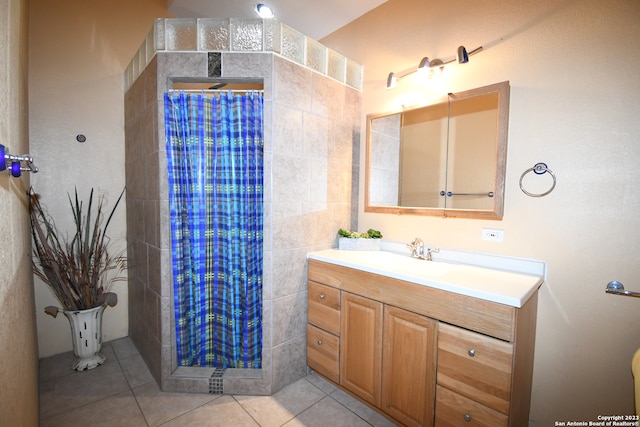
(349, 244)
(86, 331)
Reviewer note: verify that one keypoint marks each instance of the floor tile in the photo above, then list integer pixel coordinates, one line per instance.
(122, 392)
(60, 365)
(321, 383)
(159, 407)
(360, 409)
(276, 410)
(327, 412)
(81, 388)
(123, 347)
(56, 366)
(223, 411)
(120, 410)
(135, 370)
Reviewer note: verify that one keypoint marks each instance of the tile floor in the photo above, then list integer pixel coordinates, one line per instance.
(122, 392)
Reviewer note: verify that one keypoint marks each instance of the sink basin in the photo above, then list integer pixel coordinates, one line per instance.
(390, 261)
(491, 284)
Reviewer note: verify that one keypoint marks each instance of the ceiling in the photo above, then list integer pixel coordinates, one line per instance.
(313, 18)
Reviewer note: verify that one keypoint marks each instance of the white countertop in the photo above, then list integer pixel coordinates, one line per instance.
(512, 288)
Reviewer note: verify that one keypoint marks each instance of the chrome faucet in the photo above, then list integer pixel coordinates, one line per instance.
(417, 250)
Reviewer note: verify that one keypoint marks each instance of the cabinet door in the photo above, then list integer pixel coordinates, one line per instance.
(409, 367)
(361, 347)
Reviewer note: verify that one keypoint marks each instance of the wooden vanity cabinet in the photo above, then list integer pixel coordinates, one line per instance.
(361, 347)
(421, 355)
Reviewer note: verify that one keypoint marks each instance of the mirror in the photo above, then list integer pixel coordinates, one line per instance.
(446, 159)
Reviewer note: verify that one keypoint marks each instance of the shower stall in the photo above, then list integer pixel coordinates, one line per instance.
(311, 133)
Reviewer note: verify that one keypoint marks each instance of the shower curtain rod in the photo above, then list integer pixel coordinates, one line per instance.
(216, 90)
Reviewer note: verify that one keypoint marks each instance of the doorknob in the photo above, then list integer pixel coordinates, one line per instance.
(615, 287)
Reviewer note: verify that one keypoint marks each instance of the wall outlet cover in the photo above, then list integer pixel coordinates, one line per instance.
(492, 234)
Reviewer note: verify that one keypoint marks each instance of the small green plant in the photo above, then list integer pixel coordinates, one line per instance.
(80, 271)
(370, 234)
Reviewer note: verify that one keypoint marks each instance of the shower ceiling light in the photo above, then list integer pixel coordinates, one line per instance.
(264, 11)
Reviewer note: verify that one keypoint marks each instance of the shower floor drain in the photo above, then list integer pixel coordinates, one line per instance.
(215, 381)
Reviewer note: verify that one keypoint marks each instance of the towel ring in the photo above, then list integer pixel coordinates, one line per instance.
(538, 169)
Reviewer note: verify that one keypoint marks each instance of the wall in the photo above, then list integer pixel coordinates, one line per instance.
(573, 68)
(310, 132)
(77, 57)
(18, 349)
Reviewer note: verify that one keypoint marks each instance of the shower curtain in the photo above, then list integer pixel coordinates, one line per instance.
(215, 165)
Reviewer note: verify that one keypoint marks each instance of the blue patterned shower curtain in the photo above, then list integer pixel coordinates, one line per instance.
(215, 164)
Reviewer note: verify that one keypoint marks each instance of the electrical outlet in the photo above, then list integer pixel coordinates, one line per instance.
(492, 234)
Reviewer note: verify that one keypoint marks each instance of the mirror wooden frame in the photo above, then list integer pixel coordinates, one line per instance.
(503, 90)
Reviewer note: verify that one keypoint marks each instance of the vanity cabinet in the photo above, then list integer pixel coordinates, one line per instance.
(420, 355)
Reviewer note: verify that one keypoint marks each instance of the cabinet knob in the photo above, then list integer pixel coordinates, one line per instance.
(321, 296)
(319, 342)
(471, 352)
(467, 417)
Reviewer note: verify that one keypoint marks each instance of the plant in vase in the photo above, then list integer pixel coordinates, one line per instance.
(79, 271)
(354, 241)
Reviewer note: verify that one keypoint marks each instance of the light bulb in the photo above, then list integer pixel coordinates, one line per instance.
(264, 11)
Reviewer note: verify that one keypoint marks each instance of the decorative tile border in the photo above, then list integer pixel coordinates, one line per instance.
(215, 381)
(241, 35)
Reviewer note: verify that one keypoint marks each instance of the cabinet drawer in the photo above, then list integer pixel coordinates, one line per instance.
(323, 353)
(475, 366)
(324, 307)
(455, 410)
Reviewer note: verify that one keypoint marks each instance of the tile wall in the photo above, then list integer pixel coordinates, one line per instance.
(312, 134)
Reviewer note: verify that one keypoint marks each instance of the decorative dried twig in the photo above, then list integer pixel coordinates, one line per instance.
(80, 272)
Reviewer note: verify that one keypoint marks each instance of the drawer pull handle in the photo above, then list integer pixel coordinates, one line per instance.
(471, 352)
(321, 296)
(319, 342)
(467, 417)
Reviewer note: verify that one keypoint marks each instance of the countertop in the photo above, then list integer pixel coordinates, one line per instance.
(511, 288)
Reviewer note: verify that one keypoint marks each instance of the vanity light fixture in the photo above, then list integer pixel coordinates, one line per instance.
(391, 80)
(424, 64)
(433, 66)
(463, 56)
(436, 67)
(264, 11)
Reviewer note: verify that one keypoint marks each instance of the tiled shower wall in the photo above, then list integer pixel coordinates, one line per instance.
(312, 134)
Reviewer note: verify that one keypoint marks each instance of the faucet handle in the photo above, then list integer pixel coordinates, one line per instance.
(431, 251)
(413, 247)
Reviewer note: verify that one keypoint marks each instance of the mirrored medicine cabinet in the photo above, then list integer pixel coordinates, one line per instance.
(445, 159)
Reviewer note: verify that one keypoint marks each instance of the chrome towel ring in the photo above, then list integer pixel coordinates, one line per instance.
(538, 169)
